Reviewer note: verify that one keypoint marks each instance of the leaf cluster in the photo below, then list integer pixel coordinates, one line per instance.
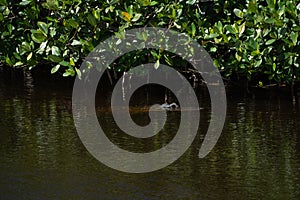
(246, 38)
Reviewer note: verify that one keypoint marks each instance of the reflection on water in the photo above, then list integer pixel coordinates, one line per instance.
(41, 156)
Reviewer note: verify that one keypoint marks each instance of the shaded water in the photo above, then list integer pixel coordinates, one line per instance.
(41, 156)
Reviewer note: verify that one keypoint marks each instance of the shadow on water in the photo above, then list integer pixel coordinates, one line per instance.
(41, 156)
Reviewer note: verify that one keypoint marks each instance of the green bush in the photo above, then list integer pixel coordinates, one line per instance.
(246, 38)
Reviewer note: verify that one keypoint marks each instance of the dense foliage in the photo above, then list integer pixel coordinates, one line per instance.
(247, 38)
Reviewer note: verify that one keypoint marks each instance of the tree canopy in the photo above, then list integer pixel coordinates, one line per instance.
(255, 39)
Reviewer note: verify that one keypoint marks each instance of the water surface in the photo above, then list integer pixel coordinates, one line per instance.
(42, 157)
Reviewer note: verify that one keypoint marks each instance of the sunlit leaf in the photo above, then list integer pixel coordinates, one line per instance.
(136, 17)
(156, 65)
(78, 72)
(76, 42)
(191, 2)
(242, 28)
(55, 69)
(69, 72)
(211, 36)
(25, 2)
(55, 51)
(238, 13)
(271, 41)
(258, 63)
(43, 27)
(42, 47)
(274, 66)
(29, 56)
(72, 63)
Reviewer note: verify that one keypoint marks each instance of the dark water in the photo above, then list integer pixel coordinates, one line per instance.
(41, 156)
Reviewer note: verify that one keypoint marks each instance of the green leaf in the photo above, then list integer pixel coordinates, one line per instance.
(136, 17)
(230, 29)
(43, 27)
(242, 29)
(78, 72)
(52, 4)
(154, 54)
(296, 28)
(17, 56)
(52, 31)
(252, 43)
(3, 2)
(9, 61)
(153, 3)
(144, 2)
(73, 23)
(55, 69)
(271, 41)
(216, 63)
(54, 58)
(69, 72)
(24, 48)
(211, 36)
(294, 37)
(72, 63)
(213, 49)
(18, 64)
(96, 14)
(92, 19)
(238, 13)
(156, 65)
(25, 2)
(64, 63)
(255, 52)
(258, 63)
(10, 28)
(76, 42)
(168, 60)
(42, 47)
(271, 4)
(274, 67)
(252, 6)
(270, 20)
(238, 57)
(38, 36)
(66, 74)
(191, 2)
(55, 51)
(193, 29)
(113, 2)
(220, 27)
(29, 56)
